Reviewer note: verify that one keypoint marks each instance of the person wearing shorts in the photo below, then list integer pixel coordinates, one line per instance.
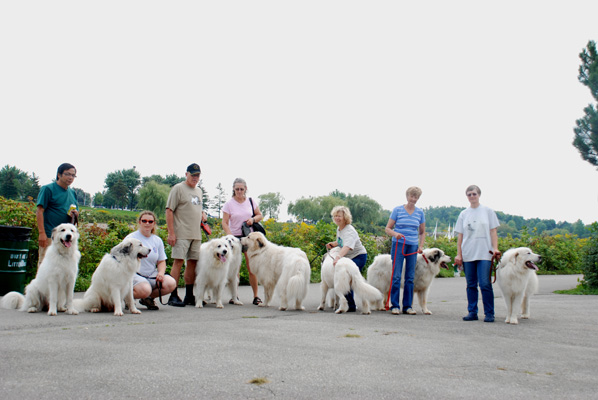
(184, 215)
(152, 272)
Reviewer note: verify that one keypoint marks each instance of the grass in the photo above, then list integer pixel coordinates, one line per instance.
(581, 289)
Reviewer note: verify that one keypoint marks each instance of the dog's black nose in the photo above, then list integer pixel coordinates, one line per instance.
(68, 238)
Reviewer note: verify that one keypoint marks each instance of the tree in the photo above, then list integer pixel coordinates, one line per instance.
(122, 185)
(586, 130)
(153, 197)
(270, 204)
(219, 200)
(98, 199)
(83, 198)
(17, 185)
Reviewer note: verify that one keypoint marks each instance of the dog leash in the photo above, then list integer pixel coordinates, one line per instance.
(494, 262)
(393, 267)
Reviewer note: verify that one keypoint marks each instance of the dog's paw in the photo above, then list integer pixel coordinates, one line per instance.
(366, 312)
(52, 313)
(219, 305)
(135, 311)
(199, 304)
(238, 303)
(427, 312)
(525, 316)
(321, 308)
(32, 309)
(281, 308)
(514, 321)
(262, 305)
(118, 313)
(72, 312)
(61, 309)
(339, 311)
(95, 309)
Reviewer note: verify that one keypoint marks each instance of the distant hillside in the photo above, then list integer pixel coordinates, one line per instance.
(509, 224)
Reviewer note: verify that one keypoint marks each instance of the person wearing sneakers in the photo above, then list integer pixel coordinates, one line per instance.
(477, 243)
(348, 240)
(184, 215)
(152, 272)
(407, 227)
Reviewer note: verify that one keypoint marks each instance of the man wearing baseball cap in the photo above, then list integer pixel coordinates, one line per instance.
(184, 214)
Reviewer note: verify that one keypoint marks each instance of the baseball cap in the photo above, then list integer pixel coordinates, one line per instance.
(193, 169)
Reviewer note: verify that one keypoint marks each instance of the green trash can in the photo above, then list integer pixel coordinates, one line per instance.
(14, 249)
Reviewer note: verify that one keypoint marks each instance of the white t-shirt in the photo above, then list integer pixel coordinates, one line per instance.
(350, 238)
(149, 264)
(475, 225)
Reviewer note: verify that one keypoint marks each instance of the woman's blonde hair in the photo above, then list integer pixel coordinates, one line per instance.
(148, 212)
(414, 190)
(345, 211)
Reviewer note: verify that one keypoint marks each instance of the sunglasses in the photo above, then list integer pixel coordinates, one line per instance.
(472, 194)
(147, 221)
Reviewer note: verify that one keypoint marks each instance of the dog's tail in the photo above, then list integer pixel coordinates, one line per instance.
(80, 305)
(363, 289)
(12, 301)
(298, 283)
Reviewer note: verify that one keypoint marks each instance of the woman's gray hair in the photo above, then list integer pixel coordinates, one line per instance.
(239, 180)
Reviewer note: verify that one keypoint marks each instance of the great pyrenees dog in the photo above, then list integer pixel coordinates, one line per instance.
(212, 271)
(54, 283)
(343, 278)
(427, 267)
(112, 281)
(516, 276)
(236, 258)
(285, 269)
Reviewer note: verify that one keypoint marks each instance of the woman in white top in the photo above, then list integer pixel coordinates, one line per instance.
(152, 271)
(235, 212)
(348, 240)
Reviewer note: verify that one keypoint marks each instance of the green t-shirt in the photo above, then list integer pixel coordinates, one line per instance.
(56, 202)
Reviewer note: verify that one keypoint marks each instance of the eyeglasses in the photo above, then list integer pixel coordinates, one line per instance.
(147, 221)
(69, 175)
(473, 194)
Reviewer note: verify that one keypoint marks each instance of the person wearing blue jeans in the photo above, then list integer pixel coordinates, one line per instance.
(477, 243)
(407, 227)
(348, 240)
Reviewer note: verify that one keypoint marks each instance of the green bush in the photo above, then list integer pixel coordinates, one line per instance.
(590, 259)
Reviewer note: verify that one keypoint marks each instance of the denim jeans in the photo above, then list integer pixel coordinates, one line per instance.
(478, 272)
(396, 254)
(360, 261)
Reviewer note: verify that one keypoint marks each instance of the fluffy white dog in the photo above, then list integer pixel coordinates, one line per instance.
(277, 267)
(236, 258)
(516, 276)
(343, 278)
(112, 281)
(212, 271)
(427, 267)
(54, 283)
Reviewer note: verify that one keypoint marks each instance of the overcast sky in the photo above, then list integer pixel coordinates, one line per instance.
(306, 97)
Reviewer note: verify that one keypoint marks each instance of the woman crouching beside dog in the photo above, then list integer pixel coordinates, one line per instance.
(407, 226)
(477, 243)
(153, 268)
(348, 240)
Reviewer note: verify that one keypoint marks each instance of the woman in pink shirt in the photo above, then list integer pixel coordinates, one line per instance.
(235, 212)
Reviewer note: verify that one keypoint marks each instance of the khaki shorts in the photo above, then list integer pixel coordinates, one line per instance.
(186, 249)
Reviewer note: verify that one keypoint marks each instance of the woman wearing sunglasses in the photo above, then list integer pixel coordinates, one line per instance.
(477, 243)
(153, 268)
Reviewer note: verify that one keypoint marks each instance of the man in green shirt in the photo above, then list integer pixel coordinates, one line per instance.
(54, 204)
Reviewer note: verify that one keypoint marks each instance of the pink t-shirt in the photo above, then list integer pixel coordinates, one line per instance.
(239, 213)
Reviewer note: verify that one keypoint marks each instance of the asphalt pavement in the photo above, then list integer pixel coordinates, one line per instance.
(250, 352)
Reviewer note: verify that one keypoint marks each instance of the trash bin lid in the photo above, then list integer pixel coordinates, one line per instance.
(14, 233)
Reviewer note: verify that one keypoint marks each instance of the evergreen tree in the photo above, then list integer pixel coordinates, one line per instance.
(586, 130)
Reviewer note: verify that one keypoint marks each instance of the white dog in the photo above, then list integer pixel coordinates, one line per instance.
(427, 267)
(112, 281)
(516, 276)
(212, 270)
(344, 277)
(54, 284)
(236, 258)
(284, 268)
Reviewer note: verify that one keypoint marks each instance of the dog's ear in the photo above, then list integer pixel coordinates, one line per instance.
(435, 256)
(260, 242)
(54, 232)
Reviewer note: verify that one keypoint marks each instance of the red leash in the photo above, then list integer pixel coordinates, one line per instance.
(393, 267)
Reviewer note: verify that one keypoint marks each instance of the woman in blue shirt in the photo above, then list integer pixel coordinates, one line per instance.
(407, 226)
